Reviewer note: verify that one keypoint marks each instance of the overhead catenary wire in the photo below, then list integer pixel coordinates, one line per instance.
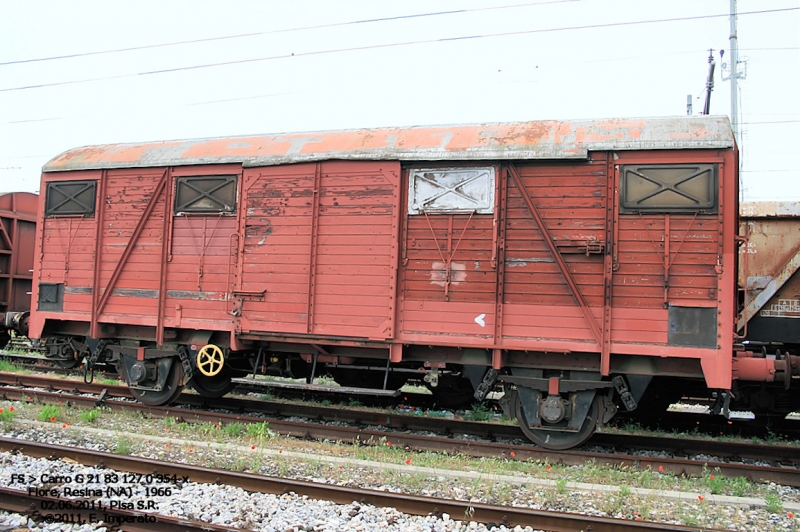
(390, 45)
(283, 30)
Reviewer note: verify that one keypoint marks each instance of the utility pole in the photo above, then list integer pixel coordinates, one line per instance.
(735, 74)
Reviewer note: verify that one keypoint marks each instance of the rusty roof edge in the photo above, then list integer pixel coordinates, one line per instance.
(653, 133)
(410, 155)
(274, 160)
(422, 154)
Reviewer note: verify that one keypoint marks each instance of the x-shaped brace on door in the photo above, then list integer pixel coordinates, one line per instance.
(446, 189)
(205, 194)
(663, 187)
(72, 197)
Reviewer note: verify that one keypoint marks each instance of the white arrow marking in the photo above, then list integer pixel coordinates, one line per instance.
(479, 320)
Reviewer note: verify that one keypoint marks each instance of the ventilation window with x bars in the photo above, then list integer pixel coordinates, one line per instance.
(669, 188)
(70, 198)
(206, 194)
(451, 190)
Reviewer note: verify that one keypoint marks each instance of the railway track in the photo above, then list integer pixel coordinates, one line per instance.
(410, 504)
(37, 362)
(18, 344)
(419, 433)
(688, 422)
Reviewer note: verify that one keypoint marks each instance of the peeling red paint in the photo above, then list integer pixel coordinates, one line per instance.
(519, 141)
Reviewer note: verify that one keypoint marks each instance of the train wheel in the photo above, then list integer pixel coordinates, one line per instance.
(64, 353)
(213, 387)
(555, 439)
(172, 389)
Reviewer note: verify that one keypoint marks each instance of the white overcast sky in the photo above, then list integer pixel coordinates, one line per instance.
(258, 66)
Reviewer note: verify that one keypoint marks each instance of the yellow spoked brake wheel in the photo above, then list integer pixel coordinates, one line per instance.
(210, 360)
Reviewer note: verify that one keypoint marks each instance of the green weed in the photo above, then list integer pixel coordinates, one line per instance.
(122, 446)
(7, 414)
(233, 430)
(716, 484)
(739, 486)
(90, 416)
(8, 366)
(773, 500)
(479, 412)
(206, 429)
(260, 431)
(50, 413)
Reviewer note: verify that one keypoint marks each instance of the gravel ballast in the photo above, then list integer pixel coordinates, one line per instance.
(278, 457)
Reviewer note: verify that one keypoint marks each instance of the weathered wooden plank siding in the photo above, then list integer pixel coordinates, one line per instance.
(277, 211)
(571, 201)
(349, 263)
(343, 288)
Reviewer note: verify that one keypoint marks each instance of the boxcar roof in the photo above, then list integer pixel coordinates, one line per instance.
(545, 139)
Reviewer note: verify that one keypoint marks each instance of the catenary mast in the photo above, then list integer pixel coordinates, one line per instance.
(734, 73)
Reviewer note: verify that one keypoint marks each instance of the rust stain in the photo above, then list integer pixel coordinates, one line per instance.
(458, 273)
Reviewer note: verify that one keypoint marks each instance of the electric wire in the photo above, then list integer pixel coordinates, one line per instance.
(391, 45)
(285, 30)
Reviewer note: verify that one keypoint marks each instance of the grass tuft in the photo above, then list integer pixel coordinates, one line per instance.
(260, 430)
(50, 413)
(122, 445)
(234, 430)
(8, 366)
(90, 416)
(7, 414)
(479, 412)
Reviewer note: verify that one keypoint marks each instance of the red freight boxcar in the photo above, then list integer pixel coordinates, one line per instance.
(566, 263)
(17, 237)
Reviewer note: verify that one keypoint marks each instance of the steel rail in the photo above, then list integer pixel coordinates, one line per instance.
(788, 476)
(409, 504)
(22, 359)
(779, 454)
(43, 364)
(688, 422)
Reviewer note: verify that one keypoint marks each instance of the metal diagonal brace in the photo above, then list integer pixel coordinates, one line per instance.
(123, 260)
(662, 187)
(778, 279)
(573, 286)
(446, 189)
(6, 238)
(72, 197)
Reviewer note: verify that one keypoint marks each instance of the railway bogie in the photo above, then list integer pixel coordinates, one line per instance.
(571, 267)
